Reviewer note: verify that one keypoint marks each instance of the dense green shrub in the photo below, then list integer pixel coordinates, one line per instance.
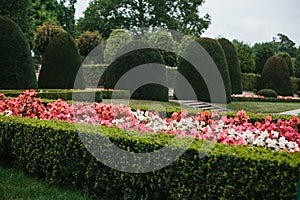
(198, 84)
(233, 65)
(295, 84)
(16, 65)
(288, 61)
(117, 39)
(87, 41)
(276, 76)
(267, 93)
(263, 51)
(164, 40)
(61, 64)
(297, 65)
(54, 151)
(43, 35)
(246, 58)
(250, 81)
(129, 59)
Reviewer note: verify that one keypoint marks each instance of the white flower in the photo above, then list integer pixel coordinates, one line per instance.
(271, 143)
(275, 134)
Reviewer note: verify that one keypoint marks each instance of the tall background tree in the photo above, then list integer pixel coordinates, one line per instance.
(262, 52)
(19, 12)
(179, 15)
(246, 56)
(285, 44)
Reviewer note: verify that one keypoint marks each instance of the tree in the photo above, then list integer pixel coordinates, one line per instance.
(66, 15)
(16, 66)
(288, 61)
(262, 51)
(233, 65)
(276, 76)
(87, 41)
(285, 44)
(297, 64)
(60, 64)
(18, 11)
(246, 56)
(179, 15)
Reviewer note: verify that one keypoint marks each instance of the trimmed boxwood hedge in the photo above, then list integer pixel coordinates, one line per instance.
(53, 151)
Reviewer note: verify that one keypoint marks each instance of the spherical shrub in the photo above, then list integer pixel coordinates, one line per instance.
(233, 65)
(16, 65)
(276, 76)
(87, 41)
(60, 64)
(131, 56)
(267, 93)
(198, 84)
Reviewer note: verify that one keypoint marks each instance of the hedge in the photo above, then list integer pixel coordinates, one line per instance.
(53, 151)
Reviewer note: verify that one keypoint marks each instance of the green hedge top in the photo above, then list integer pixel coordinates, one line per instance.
(54, 151)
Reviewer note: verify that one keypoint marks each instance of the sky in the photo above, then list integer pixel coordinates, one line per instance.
(250, 21)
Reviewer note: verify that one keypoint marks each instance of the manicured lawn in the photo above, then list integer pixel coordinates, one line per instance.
(16, 185)
(249, 106)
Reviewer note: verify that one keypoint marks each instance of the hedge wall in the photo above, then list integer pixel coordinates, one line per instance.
(53, 151)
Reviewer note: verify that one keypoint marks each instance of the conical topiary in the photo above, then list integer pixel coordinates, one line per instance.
(233, 65)
(130, 57)
(16, 65)
(61, 63)
(276, 76)
(197, 82)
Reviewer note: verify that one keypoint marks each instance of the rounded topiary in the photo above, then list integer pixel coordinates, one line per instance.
(16, 65)
(60, 64)
(135, 54)
(276, 76)
(87, 41)
(267, 93)
(233, 65)
(43, 35)
(117, 39)
(288, 61)
(216, 52)
(164, 40)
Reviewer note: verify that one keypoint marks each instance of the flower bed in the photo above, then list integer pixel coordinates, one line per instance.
(275, 135)
(254, 97)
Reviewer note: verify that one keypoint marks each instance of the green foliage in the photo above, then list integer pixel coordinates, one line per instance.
(18, 11)
(66, 15)
(249, 81)
(267, 93)
(263, 51)
(285, 44)
(297, 66)
(117, 39)
(246, 57)
(54, 151)
(133, 55)
(164, 40)
(233, 65)
(87, 41)
(43, 35)
(276, 76)
(288, 61)
(16, 66)
(61, 64)
(216, 52)
(179, 15)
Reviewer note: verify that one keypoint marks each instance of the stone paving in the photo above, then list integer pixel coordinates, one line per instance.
(201, 105)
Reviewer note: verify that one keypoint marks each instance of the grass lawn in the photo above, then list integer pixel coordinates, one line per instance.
(249, 106)
(16, 185)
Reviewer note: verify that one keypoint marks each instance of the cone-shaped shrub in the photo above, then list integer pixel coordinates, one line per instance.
(233, 65)
(60, 64)
(276, 76)
(288, 61)
(132, 56)
(216, 52)
(16, 65)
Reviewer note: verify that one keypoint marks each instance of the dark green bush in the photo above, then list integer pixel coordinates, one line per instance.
(297, 66)
(263, 51)
(276, 76)
(54, 151)
(61, 63)
(233, 65)
(288, 61)
(295, 84)
(267, 93)
(130, 59)
(16, 65)
(249, 81)
(216, 52)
